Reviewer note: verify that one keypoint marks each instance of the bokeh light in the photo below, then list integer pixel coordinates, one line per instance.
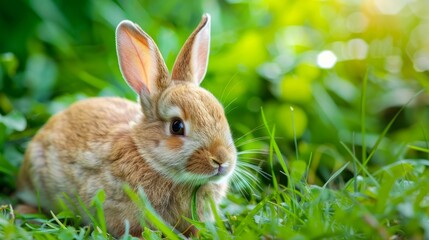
(326, 59)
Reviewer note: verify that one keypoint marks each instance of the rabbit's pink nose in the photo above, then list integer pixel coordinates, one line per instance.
(221, 169)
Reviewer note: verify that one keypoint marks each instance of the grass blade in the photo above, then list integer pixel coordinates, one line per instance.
(338, 172)
(271, 152)
(222, 232)
(194, 207)
(386, 129)
(150, 214)
(248, 219)
(362, 168)
(363, 116)
(58, 221)
(295, 141)
(274, 148)
(97, 202)
(425, 150)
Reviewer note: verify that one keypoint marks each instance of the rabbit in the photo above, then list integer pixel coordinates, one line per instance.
(175, 140)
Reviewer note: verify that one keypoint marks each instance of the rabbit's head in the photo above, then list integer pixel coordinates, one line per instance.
(184, 133)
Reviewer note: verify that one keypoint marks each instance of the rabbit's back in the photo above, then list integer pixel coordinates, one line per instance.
(70, 153)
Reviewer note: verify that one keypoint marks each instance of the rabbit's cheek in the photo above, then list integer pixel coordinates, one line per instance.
(174, 143)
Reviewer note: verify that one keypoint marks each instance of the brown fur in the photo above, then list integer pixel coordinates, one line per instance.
(104, 143)
(174, 143)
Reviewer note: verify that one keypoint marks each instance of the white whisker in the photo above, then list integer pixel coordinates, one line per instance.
(229, 104)
(251, 159)
(226, 86)
(255, 151)
(250, 132)
(251, 141)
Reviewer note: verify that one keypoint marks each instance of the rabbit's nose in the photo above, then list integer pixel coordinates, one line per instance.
(221, 167)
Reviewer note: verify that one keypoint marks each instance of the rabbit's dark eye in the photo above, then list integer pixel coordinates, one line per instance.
(177, 127)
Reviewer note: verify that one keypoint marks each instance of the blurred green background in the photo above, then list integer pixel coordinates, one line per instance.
(308, 55)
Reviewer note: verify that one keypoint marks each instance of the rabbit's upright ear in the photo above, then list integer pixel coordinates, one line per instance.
(140, 60)
(191, 63)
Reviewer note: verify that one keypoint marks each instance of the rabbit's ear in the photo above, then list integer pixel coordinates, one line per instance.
(140, 61)
(191, 63)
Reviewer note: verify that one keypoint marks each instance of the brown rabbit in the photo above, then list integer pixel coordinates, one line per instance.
(175, 141)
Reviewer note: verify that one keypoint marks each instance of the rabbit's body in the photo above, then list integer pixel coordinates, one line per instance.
(175, 141)
(58, 161)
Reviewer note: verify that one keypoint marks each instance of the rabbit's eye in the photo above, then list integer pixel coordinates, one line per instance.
(177, 127)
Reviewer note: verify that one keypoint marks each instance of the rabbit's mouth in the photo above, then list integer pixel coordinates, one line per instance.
(221, 173)
(221, 170)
